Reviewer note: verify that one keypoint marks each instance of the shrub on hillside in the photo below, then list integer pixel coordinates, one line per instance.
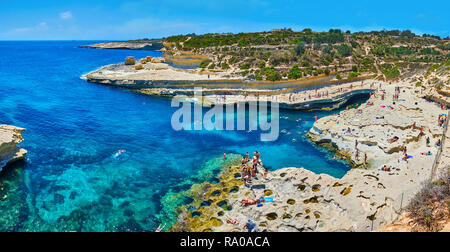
(295, 72)
(300, 48)
(352, 75)
(272, 75)
(204, 64)
(424, 207)
(245, 66)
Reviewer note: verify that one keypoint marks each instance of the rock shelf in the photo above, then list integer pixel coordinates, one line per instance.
(366, 197)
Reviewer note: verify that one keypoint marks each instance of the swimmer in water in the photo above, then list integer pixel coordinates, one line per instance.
(118, 153)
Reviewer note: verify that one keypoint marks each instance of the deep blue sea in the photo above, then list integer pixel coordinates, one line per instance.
(73, 179)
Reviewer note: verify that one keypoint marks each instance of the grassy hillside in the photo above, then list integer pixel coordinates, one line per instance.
(292, 54)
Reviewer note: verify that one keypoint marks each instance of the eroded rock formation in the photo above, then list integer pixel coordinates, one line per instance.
(10, 137)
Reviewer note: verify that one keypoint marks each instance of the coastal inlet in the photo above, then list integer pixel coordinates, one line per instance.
(104, 159)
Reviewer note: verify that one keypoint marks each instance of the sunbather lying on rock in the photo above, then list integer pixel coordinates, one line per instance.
(385, 168)
(393, 140)
(233, 221)
(249, 202)
(438, 143)
(405, 157)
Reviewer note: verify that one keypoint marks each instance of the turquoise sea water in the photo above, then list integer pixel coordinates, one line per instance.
(73, 181)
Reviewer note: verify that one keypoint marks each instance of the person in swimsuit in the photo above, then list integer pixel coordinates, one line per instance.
(233, 221)
(159, 229)
(249, 202)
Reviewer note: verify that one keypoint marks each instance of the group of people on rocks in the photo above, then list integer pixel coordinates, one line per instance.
(249, 170)
(441, 120)
(249, 167)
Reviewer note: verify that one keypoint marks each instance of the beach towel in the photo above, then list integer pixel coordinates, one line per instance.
(268, 199)
(262, 186)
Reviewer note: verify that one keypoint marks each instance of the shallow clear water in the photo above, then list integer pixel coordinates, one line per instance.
(73, 181)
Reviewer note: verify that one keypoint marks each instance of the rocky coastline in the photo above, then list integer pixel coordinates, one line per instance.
(365, 199)
(10, 137)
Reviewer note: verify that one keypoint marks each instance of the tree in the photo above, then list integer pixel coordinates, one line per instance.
(245, 66)
(352, 75)
(344, 50)
(338, 76)
(307, 30)
(295, 72)
(327, 49)
(300, 48)
(407, 33)
(262, 64)
(272, 75)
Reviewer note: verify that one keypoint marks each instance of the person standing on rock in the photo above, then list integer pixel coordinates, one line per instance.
(266, 171)
(356, 144)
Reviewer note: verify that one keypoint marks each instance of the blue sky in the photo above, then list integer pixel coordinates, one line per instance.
(119, 19)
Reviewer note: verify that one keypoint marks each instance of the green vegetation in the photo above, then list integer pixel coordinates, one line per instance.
(300, 48)
(245, 66)
(352, 75)
(225, 66)
(204, 64)
(306, 53)
(212, 66)
(390, 71)
(344, 50)
(429, 206)
(295, 72)
(272, 74)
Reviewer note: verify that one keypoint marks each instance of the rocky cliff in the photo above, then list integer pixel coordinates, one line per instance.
(10, 136)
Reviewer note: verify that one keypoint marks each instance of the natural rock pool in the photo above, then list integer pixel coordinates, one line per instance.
(75, 178)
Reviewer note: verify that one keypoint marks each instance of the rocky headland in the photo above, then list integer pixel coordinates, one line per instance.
(10, 137)
(150, 45)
